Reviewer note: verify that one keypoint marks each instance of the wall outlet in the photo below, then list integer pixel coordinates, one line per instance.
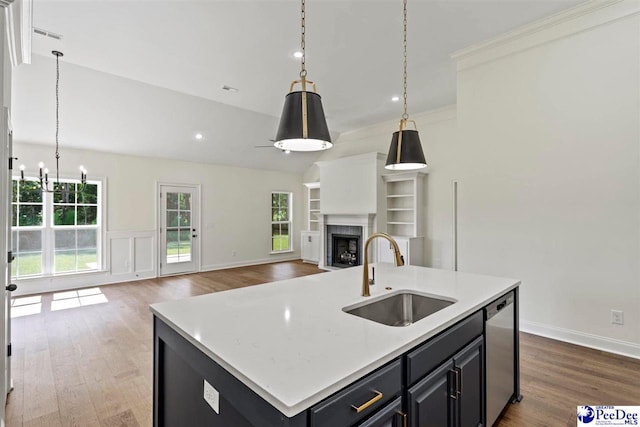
(234, 253)
(617, 317)
(211, 396)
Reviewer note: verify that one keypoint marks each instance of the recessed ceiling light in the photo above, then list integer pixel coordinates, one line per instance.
(230, 89)
(395, 98)
(297, 54)
(199, 136)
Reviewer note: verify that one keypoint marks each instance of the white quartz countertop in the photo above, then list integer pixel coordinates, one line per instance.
(292, 344)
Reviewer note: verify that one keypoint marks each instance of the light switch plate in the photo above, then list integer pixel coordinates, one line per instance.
(212, 396)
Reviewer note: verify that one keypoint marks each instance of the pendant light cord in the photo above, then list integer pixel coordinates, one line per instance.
(303, 71)
(57, 116)
(405, 115)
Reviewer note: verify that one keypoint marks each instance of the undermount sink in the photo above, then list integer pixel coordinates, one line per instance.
(401, 309)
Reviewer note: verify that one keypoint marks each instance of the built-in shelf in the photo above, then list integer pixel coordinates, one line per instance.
(403, 196)
(313, 205)
(310, 238)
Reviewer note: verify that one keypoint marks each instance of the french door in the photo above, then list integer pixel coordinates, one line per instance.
(178, 230)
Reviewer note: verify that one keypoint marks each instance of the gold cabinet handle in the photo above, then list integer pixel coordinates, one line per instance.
(365, 405)
(404, 418)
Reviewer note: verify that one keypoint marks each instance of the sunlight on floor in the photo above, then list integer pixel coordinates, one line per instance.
(26, 306)
(79, 298)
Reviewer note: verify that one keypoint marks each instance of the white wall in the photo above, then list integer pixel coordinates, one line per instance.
(236, 208)
(545, 144)
(549, 189)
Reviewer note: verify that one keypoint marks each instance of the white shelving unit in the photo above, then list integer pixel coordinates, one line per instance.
(313, 205)
(404, 201)
(404, 212)
(310, 238)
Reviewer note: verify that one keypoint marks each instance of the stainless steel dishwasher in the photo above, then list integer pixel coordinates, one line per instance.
(500, 353)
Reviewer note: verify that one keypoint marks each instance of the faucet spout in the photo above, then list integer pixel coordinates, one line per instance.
(365, 275)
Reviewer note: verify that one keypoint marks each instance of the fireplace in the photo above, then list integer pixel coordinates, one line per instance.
(344, 246)
(345, 251)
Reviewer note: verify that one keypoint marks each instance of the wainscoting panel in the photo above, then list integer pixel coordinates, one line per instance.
(144, 255)
(131, 255)
(120, 255)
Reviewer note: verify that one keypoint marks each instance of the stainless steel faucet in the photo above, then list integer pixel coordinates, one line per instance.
(365, 273)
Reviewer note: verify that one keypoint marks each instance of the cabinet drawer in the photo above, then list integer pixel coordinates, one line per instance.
(338, 410)
(428, 356)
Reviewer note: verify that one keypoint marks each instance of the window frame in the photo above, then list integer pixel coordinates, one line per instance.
(49, 229)
(41, 228)
(288, 222)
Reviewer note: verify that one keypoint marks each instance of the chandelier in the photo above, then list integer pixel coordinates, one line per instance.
(43, 175)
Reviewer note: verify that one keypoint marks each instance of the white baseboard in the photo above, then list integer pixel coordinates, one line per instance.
(212, 267)
(597, 342)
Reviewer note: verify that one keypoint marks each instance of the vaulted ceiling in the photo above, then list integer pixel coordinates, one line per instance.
(143, 77)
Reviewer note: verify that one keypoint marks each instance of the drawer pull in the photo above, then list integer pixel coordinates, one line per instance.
(365, 405)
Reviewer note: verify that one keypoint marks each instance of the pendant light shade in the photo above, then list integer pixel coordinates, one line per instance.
(302, 110)
(405, 151)
(411, 155)
(303, 126)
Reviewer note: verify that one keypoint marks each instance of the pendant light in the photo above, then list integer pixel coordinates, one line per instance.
(405, 152)
(303, 126)
(58, 187)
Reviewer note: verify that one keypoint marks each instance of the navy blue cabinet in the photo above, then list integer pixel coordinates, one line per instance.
(452, 394)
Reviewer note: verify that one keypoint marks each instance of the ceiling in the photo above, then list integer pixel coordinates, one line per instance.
(143, 77)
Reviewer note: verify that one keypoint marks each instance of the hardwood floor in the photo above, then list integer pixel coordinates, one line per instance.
(84, 361)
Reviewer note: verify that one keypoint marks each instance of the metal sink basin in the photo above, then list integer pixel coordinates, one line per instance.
(401, 309)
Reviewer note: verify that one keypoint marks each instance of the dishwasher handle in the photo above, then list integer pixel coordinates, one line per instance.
(498, 305)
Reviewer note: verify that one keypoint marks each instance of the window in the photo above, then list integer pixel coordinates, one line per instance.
(56, 232)
(280, 222)
(27, 228)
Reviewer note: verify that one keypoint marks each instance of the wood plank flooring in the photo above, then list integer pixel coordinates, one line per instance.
(91, 365)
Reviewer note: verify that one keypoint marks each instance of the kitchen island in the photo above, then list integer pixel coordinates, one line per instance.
(285, 353)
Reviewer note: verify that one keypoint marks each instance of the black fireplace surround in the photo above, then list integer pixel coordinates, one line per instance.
(344, 246)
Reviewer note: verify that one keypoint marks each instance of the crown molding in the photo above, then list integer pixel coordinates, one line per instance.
(19, 19)
(566, 23)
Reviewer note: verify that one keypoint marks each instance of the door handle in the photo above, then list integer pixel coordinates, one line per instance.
(11, 287)
(454, 393)
(404, 418)
(459, 378)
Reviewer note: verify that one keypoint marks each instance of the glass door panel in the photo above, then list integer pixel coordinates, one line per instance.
(178, 230)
